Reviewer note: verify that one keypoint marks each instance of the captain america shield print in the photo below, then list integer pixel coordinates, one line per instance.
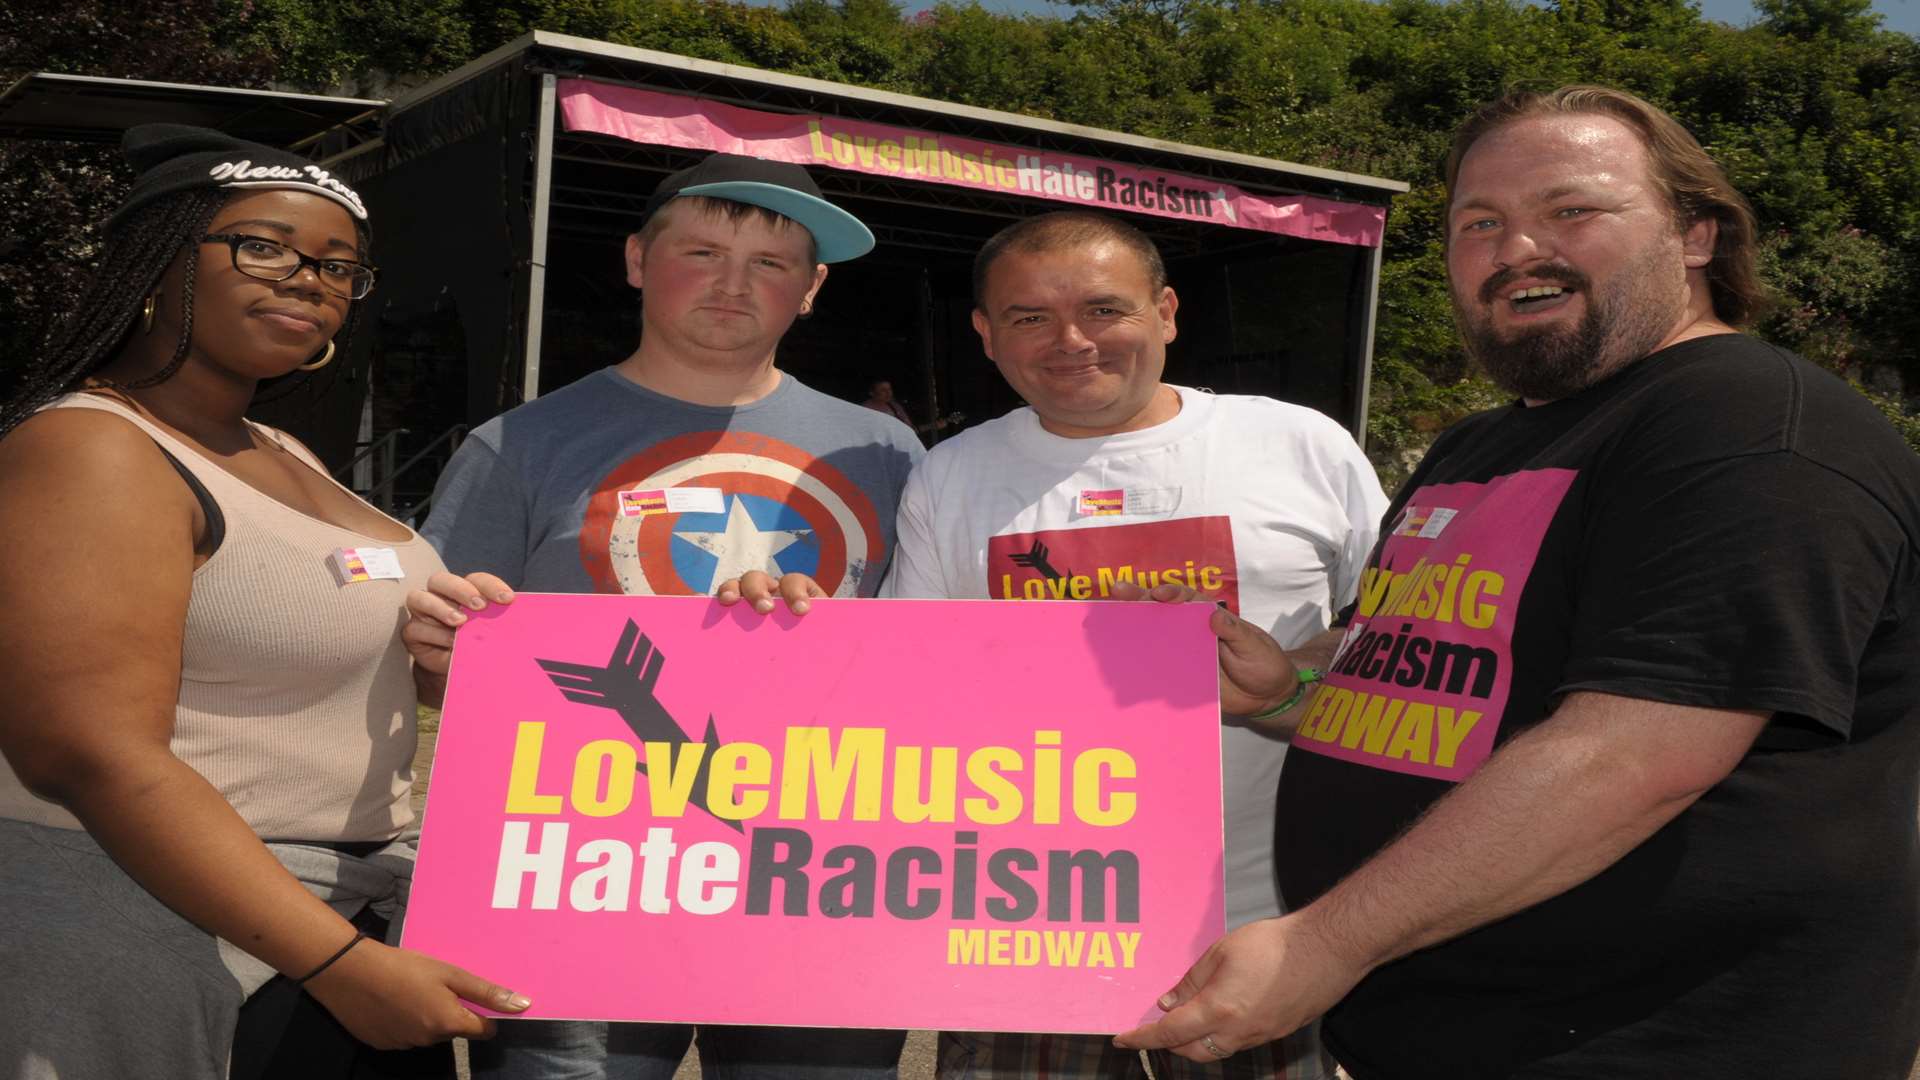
(687, 514)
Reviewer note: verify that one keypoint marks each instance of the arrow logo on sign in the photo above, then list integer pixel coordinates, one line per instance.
(625, 685)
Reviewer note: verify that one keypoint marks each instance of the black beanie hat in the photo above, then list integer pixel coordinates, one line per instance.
(175, 157)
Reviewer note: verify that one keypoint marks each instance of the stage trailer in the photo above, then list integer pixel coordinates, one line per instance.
(503, 192)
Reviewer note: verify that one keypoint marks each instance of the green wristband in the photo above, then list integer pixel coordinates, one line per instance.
(1307, 676)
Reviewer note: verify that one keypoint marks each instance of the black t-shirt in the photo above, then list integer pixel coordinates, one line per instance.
(1720, 525)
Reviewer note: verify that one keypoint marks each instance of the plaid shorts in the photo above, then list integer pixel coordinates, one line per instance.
(985, 1056)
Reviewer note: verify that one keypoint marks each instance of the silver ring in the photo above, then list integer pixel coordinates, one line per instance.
(1214, 1048)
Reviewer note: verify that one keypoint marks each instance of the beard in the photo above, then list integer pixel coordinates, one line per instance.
(1623, 323)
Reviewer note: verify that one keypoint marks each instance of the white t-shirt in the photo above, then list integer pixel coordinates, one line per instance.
(1268, 505)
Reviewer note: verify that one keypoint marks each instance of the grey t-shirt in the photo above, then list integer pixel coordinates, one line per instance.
(606, 486)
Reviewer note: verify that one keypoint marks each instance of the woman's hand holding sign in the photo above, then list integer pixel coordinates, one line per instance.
(397, 998)
(434, 614)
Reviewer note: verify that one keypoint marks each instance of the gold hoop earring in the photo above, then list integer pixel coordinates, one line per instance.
(147, 312)
(325, 359)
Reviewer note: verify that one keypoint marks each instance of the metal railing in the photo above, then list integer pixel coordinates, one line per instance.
(385, 451)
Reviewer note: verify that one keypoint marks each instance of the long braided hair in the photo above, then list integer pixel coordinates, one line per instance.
(136, 253)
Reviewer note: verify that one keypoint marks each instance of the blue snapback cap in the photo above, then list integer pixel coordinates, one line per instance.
(779, 186)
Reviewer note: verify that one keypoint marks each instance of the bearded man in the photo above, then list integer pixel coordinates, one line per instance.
(1614, 770)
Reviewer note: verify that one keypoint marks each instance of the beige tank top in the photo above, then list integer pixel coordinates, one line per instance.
(296, 695)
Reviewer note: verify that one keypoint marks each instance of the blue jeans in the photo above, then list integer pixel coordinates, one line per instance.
(591, 1050)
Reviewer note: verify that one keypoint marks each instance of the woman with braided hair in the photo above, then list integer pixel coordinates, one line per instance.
(206, 710)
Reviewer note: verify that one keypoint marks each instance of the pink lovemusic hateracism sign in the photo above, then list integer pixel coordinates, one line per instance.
(912, 814)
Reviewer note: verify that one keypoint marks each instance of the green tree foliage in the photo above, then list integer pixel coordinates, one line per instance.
(54, 195)
(1814, 109)
(341, 44)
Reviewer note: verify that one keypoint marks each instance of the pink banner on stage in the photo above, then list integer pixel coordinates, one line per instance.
(646, 116)
(907, 814)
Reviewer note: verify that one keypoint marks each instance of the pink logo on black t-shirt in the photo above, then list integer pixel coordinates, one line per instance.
(1421, 679)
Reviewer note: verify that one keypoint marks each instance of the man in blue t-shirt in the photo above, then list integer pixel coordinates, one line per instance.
(687, 464)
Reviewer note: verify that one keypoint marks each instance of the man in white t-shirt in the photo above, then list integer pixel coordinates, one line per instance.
(1111, 477)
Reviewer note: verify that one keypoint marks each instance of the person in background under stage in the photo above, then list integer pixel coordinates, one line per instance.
(880, 399)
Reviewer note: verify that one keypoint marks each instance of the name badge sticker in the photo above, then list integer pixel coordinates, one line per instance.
(696, 500)
(1424, 522)
(642, 502)
(351, 565)
(1152, 500)
(646, 502)
(1104, 503)
(1114, 502)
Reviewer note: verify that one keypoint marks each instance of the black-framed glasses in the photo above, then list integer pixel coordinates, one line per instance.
(271, 260)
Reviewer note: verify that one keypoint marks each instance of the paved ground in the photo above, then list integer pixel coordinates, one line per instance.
(915, 1064)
